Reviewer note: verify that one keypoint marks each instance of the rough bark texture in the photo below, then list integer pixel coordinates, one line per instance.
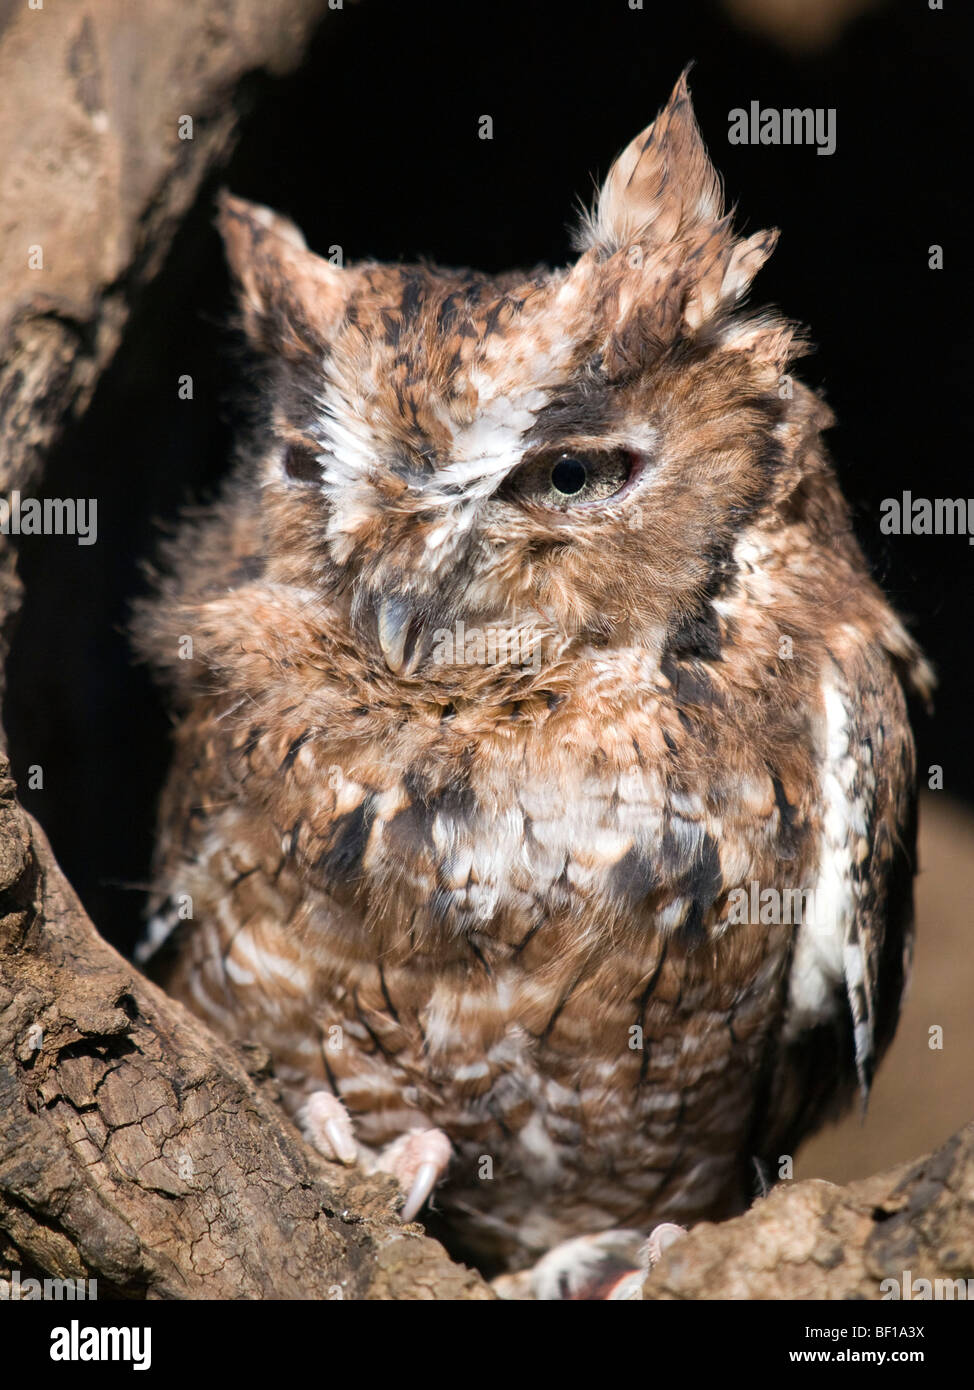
(812, 1240)
(136, 1148)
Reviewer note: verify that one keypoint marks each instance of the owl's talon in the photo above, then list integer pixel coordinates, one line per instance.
(423, 1184)
(630, 1285)
(660, 1239)
(327, 1124)
(417, 1160)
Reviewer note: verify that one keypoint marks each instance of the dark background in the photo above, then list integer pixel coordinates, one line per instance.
(374, 146)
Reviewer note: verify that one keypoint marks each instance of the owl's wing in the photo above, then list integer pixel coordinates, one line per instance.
(851, 956)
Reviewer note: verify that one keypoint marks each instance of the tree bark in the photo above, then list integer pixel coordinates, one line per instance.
(816, 1240)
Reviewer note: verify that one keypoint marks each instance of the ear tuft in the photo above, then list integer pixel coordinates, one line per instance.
(746, 259)
(660, 214)
(291, 299)
(660, 187)
(723, 270)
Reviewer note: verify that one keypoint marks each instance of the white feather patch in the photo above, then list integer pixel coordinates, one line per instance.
(827, 952)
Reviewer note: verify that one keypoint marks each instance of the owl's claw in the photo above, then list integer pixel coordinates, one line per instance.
(327, 1124)
(423, 1184)
(630, 1285)
(660, 1239)
(417, 1160)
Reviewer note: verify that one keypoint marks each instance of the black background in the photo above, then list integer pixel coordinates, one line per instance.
(373, 145)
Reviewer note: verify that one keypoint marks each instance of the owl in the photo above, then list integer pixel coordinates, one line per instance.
(543, 792)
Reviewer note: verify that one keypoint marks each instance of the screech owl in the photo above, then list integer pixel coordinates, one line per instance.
(532, 658)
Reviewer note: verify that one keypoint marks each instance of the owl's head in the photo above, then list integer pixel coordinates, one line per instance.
(577, 450)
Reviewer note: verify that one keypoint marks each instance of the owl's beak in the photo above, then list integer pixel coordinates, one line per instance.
(397, 636)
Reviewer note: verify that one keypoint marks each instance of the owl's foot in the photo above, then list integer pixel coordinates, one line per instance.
(610, 1266)
(417, 1160)
(328, 1126)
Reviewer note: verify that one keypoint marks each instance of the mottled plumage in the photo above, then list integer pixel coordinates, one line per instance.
(492, 897)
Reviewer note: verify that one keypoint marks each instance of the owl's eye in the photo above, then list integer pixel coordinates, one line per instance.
(572, 478)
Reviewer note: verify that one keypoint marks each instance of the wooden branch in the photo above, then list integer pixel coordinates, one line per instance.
(811, 1240)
